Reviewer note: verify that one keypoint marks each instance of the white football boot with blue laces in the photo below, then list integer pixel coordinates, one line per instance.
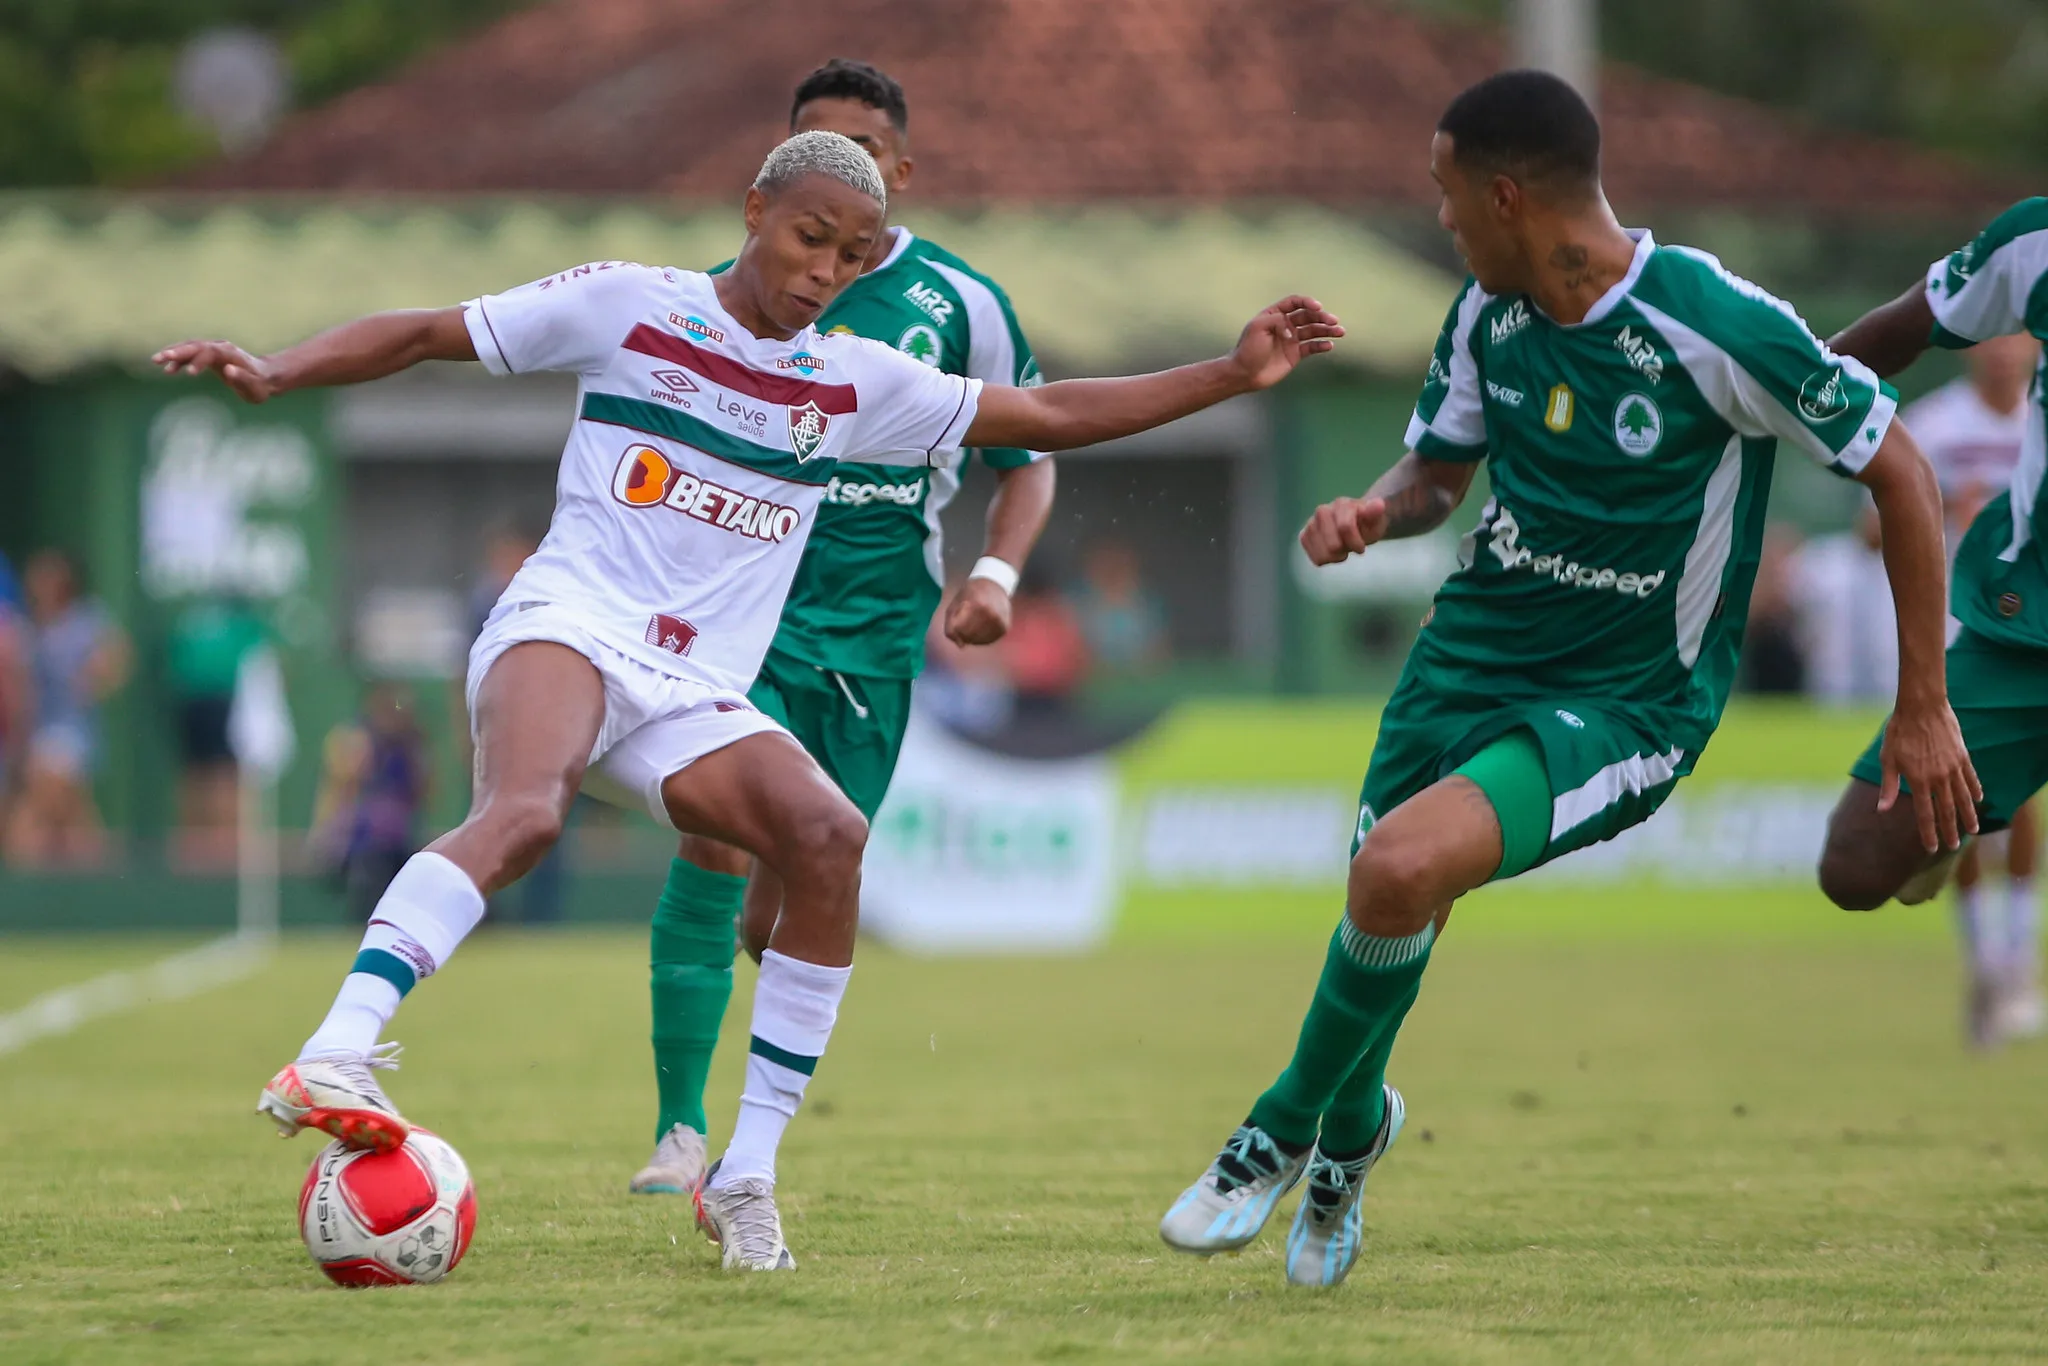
(1329, 1230)
(1230, 1204)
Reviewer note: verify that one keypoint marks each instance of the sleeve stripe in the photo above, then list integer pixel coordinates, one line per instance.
(1993, 300)
(490, 333)
(991, 349)
(1460, 420)
(1736, 395)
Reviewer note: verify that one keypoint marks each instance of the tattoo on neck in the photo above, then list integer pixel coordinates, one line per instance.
(1571, 259)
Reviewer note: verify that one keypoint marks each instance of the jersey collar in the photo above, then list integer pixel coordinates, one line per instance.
(904, 237)
(1619, 290)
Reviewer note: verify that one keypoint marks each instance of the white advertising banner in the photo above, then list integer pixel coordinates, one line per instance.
(975, 851)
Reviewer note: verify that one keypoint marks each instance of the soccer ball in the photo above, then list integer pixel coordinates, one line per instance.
(397, 1218)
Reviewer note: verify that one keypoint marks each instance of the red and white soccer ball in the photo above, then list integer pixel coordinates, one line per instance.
(399, 1218)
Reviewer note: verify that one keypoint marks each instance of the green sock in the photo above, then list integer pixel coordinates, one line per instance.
(690, 956)
(1353, 1118)
(1367, 985)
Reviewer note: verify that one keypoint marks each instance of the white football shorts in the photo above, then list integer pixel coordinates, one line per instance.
(655, 724)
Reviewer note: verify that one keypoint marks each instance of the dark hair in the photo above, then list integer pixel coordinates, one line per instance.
(840, 79)
(1529, 126)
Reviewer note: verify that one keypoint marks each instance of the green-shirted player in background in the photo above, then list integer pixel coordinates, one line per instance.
(852, 635)
(1998, 663)
(1628, 400)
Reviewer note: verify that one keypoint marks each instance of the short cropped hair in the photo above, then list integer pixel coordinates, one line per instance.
(820, 153)
(840, 79)
(1529, 126)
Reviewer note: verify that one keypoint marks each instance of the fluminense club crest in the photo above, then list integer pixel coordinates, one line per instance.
(807, 426)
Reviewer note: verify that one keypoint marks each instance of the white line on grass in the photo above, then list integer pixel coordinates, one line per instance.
(213, 964)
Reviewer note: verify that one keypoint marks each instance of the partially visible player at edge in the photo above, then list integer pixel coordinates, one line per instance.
(1628, 400)
(711, 416)
(852, 637)
(1998, 665)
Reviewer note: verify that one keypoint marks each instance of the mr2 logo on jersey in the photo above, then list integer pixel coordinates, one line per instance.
(1641, 355)
(935, 304)
(646, 478)
(1509, 323)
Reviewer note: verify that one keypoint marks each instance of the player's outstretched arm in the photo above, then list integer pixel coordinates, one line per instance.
(368, 348)
(1413, 497)
(1922, 742)
(1082, 412)
(1891, 336)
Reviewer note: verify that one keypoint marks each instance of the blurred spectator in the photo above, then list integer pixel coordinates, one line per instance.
(1846, 622)
(373, 787)
(1772, 658)
(203, 653)
(1124, 625)
(77, 657)
(17, 691)
(504, 552)
(965, 687)
(1045, 653)
(1971, 428)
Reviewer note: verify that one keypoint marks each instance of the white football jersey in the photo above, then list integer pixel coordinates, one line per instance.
(1967, 441)
(699, 454)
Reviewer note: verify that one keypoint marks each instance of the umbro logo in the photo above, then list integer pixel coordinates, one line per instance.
(675, 381)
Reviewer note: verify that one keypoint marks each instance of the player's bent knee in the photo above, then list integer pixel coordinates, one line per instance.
(1852, 879)
(825, 843)
(1392, 887)
(521, 828)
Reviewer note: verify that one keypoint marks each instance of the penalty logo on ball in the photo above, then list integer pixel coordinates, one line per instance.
(399, 1218)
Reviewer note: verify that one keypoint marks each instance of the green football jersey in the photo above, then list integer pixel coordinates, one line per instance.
(1996, 285)
(871, 575)
(1630, 456)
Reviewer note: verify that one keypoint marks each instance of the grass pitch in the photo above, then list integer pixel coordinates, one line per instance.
(1693, 1146)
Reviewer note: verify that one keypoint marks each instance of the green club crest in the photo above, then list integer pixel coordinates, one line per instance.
(921, 344)
(1638, 424)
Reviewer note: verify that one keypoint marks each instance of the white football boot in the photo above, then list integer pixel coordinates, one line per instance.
(741, 1219)
(676, 1167)
(1230, 1204)
(337, 1094)
(1329, 1230)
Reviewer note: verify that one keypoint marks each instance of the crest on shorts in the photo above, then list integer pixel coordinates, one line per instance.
(671, 633)
(807, 429)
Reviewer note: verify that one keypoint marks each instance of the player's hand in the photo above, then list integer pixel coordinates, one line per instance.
(247, 375)
(1276, 339)
(979, 614)
(1925, 748)
(1344, 528)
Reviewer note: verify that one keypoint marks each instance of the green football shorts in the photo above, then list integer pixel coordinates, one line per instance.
(851, 724)
(2000, 697)
(1561, 774)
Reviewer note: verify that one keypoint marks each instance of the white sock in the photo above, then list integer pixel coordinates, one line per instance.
(1982, 944)
(428, 909)
(361, 1009)
(795, 1005)
(2023, 929)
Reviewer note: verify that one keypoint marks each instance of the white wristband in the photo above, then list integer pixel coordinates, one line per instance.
(1001, 573)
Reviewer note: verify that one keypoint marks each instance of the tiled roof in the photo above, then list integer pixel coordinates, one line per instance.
(108, 280)
(1330, 101)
